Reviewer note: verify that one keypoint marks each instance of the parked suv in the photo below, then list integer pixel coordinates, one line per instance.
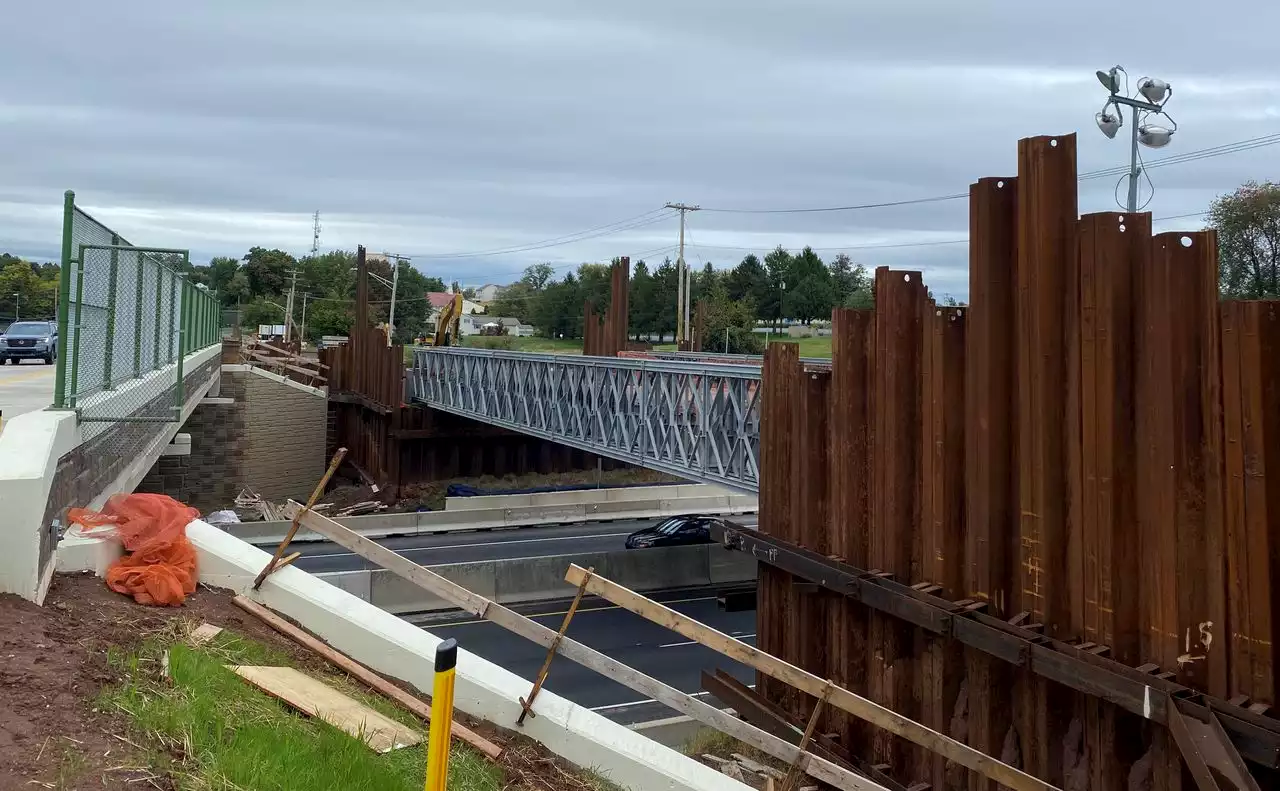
(29, 340)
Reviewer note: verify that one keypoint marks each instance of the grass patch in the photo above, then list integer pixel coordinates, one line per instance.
(533, 344)
(809, 347)
(213, 731)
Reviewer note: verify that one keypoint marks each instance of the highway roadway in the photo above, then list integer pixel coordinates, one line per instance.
(25, 387)
(624, 636)
(464, 547)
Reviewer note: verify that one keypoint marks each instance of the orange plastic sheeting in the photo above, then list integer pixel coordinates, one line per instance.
(160, 565)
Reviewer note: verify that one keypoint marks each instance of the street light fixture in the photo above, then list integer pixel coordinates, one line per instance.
(1155, 94)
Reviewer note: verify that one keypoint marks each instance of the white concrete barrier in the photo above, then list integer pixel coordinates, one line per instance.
(521, 580)
(32, 449)
(590, 496)
(484, 690)
(426, 522)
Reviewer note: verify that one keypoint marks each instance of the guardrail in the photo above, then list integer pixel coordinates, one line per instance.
(427, 522)
(522, 580)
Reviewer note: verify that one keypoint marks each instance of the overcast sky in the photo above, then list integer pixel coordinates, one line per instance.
(497, 125)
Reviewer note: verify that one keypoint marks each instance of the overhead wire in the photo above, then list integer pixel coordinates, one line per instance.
(1189, 156)
(639, 221)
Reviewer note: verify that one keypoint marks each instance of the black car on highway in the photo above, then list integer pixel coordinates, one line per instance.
(673, 531)
(36, 340)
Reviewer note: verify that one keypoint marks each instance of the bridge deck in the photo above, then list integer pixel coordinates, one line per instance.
(699, 420)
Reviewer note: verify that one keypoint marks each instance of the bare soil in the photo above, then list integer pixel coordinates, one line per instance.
(54, 663)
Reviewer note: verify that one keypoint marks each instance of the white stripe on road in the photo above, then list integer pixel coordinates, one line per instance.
(485, 544)
(613, 706)
(743, 637)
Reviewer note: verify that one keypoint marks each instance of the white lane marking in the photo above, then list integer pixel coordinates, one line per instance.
(486, 544)
(428, 625)
(743, 637)
(612, 706)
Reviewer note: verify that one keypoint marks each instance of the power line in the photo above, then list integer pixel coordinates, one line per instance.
(639, 221)
(1176, 159)
(890, 246)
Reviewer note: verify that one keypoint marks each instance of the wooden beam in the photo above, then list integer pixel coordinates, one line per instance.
(812, 765)
(838, 696)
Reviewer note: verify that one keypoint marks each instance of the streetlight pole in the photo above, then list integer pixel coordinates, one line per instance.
(1158, 93)
(17, 303)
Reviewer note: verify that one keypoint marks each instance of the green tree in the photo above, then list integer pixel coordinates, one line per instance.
(1248, 225)
(642, 310)
(538, 276)
(665, 285)
(846, 278)
(35, 295)
(730, 322)
(777, 265)
(268, 271)
(810, 293)
(749, 280)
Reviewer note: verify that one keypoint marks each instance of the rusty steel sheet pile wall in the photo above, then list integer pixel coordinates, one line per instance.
(607, 336)
(1085, 451)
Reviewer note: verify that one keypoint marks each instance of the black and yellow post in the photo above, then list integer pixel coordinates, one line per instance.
(441, 716)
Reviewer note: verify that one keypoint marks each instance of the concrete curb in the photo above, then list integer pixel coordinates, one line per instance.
(606, 495)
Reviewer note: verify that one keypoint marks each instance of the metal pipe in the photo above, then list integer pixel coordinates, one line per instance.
(64, 295)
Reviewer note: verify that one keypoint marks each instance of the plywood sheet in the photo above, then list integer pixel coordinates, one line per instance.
(319, 700)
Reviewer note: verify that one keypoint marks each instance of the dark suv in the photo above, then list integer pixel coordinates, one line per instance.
(29, 340)
(672, 532)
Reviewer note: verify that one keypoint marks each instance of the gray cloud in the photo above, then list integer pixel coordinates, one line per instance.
(220, 126)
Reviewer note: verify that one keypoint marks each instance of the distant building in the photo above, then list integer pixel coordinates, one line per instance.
(516, 327)
(489, 292)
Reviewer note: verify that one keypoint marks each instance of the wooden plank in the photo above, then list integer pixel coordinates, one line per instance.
(1049, 585)
(364, 674)
(317, 699)
(991, 494)
(894, 541)
(837, 696)
(203, 634)
(818, 768)
(849, 466)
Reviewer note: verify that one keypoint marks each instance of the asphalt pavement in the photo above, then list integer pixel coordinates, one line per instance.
(621, 634)
(466, 547)
(25, 387)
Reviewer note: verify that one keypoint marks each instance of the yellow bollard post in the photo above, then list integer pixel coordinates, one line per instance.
(441, 716)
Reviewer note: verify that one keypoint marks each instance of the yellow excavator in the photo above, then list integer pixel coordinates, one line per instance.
(448, 324)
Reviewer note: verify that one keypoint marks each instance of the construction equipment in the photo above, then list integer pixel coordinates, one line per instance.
(448, 324)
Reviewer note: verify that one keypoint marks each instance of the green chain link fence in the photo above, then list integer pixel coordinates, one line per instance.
(124, 313)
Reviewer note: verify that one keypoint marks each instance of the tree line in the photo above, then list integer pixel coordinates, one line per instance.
(783, 285)
(799, 287)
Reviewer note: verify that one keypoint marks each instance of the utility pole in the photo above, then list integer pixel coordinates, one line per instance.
(288, 306)
(315, 232)
(395, 258)
(302, 331)
(683, 282)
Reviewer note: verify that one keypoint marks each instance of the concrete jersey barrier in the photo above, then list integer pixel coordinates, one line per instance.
(519, 580)
(425, 522)
(590, 496)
